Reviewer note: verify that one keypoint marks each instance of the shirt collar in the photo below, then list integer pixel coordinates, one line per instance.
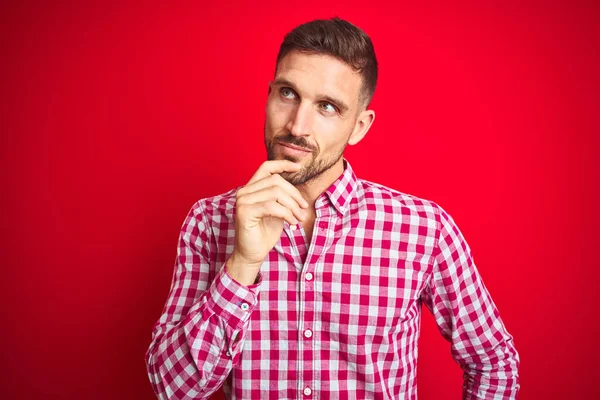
(341, 191)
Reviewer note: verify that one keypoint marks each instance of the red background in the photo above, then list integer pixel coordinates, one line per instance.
(116, 119)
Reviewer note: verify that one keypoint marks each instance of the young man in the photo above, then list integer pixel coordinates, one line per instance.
(307, 282)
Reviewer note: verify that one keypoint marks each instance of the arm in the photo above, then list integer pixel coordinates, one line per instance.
(468, 318)
(199, 335)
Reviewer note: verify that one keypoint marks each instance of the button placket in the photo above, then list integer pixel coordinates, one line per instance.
(321, 240)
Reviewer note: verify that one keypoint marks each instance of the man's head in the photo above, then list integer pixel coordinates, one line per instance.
(325, 77)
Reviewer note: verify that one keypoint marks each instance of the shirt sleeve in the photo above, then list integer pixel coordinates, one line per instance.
(200, 333)
(468, 318)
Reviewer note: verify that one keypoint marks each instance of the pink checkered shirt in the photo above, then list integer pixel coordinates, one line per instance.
(337, 319)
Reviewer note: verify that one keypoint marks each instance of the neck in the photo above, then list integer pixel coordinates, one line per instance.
(315, 188)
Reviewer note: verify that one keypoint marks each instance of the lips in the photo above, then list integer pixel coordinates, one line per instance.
(291, 146)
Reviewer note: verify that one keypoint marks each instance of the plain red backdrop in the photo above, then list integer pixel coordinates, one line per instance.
(117, 118)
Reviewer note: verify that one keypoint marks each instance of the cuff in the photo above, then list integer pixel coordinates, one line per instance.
(231, 300)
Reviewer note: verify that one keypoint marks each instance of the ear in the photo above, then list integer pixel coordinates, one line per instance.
(363, 123)
(268, 96)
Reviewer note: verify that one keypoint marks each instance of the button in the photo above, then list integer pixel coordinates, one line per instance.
(228, 354)
(245, 306)
(308, 333)
(307, 391)
(308, 276)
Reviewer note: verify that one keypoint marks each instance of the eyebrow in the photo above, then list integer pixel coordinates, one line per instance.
(341, 105)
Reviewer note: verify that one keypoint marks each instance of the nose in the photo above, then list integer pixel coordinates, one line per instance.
(300, 123)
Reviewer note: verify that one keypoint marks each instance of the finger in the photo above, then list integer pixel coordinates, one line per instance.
(273, 209)
(274, 180)
(274, 193)
(274, 167)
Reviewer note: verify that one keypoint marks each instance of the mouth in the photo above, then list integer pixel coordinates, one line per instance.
(294, 150)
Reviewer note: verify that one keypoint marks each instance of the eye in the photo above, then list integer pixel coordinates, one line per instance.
(287, 93)
(328, 107)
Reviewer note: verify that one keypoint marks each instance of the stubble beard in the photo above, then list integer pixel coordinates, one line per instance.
(309, 172)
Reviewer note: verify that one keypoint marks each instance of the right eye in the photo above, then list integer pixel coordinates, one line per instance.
(287, 93)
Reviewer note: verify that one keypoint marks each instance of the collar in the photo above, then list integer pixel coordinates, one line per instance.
(341, 191)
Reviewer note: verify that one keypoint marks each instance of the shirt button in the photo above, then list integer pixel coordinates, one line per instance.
(245, 306)
(308, 276)
(307, 391)
(308, 333)
(228, 354)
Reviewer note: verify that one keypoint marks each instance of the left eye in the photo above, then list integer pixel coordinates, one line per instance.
(328, 107)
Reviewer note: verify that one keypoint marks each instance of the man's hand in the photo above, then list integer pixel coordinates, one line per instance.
(262, 206)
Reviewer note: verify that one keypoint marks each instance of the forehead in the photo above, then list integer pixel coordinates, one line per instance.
(320, 74)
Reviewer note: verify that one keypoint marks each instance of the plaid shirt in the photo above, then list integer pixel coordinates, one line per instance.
(339, 318)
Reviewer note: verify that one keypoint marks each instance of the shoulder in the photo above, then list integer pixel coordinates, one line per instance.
(412, 213)
(376, 196)
(215, 208)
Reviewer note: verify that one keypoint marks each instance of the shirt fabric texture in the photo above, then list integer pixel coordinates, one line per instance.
(339, 318)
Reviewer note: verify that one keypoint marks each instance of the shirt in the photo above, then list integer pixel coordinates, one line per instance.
(339, 318)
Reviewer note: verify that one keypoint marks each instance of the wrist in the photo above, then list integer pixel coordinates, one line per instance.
(243, 272)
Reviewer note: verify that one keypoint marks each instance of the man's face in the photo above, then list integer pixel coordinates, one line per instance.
(311, 113)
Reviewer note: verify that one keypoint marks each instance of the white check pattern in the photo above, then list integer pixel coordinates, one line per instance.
(337, 319)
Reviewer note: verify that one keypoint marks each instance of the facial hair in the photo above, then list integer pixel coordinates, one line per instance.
(309, 172)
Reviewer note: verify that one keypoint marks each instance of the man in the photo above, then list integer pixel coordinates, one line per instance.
(307, 282)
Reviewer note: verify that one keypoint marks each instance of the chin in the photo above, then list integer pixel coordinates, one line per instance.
(292, 159)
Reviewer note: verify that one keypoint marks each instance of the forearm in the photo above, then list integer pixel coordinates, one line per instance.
(193, 358)
(494, 375)
(468, 318)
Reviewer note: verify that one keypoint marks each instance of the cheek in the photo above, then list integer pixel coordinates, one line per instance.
(328, 125)
(333, 135)
(333, 129)
(278, 114)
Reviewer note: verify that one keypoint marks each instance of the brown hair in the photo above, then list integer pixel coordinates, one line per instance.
(340, 39)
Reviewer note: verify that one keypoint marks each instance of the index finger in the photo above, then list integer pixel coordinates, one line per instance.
(269, 168)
